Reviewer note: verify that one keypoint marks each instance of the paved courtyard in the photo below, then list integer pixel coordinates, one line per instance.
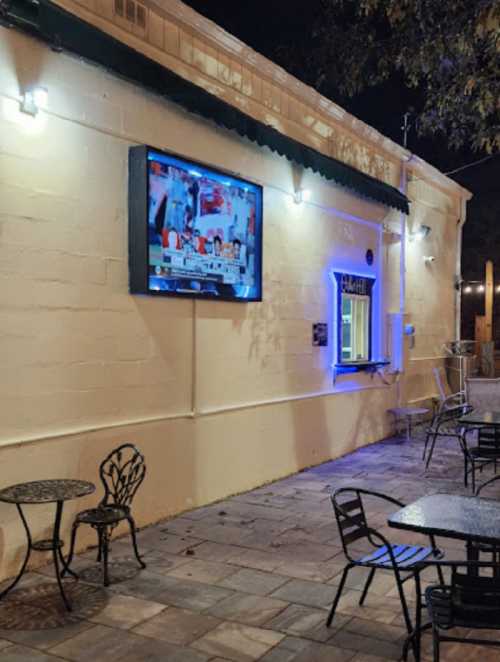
(248, 578)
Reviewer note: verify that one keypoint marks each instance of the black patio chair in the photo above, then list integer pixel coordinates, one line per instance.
(486, 452)
(471, 601)
(405, 561)
(445, 424)
(122, 473)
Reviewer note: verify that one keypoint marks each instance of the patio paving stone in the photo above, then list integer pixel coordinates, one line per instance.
(125, 611)
(177, 626)
(208, 572)
(253, 581)
(253, 576)
(23, 654)
(238, 642)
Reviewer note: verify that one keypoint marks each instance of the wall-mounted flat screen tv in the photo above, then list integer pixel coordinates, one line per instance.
(193, 230)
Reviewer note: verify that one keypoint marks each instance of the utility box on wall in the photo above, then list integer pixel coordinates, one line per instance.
(395, 330)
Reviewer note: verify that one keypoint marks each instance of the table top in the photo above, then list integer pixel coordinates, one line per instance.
(451, 516)
(478, 417)
(408, 411)
(46, 491)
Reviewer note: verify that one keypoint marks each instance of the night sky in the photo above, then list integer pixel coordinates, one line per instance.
(268, 25)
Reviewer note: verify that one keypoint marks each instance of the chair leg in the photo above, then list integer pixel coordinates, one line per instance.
(99, 546)
(440, 575)
(131, 523)
(337, 597)
(367, 586)
(418, 616)
(431, 451)
(435, 644)
(473, 467)
(466, 467)
(74, 529)
(104, 552)
(427, 437)
(406, 613)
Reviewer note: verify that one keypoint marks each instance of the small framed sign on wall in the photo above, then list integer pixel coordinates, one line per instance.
(320, 334)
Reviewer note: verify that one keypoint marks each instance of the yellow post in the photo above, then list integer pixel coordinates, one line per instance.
(488, 302)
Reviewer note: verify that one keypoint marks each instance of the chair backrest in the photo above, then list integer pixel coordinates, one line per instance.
(483, 393)
(448, 418)
(476, 598)
(441, 383)
(350, 515)
(122, 472)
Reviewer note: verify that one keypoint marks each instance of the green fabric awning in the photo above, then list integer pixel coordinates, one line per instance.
(66, 31)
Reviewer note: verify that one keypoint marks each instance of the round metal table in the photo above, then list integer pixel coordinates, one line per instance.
(41, 492)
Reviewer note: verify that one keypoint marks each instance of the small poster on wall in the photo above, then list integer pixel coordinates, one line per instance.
(320, 334)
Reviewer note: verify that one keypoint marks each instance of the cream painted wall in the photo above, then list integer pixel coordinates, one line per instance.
(430, 291)
(200, 387)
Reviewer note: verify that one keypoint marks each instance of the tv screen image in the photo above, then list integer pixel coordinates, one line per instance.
(203, 229)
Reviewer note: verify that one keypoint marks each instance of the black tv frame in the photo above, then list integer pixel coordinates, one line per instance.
(138, 246)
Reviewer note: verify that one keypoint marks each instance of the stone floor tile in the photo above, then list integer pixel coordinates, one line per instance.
(302, 592)
(207, 572)
(248, 609)
(177, 626)
(96, 643)
(298, 620)
(125, 611)
(325, 571)
(256, 559)
(175, 592)
(368, 645)
(237, 642)
(23, 654)
(316, 652)
(253, 581)
(162, 562)
(214, 551)
(47, 638)
(158, 538)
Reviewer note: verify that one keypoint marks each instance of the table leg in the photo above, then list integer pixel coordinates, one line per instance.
(26, 558)
(56, 552)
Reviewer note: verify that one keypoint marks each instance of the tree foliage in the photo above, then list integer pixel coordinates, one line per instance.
(447, 49)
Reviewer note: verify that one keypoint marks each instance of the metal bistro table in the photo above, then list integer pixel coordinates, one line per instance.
(465, 518)
(470, 519)
(479, 418)
(42, 492)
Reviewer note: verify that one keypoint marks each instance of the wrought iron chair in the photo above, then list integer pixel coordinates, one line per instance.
(445, 424)
(122, 473)
(471, 600)
(405, 561)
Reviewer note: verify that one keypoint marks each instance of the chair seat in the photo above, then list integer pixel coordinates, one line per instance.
(446, 614)
(485, 453)
(103, 515)
(406, 556)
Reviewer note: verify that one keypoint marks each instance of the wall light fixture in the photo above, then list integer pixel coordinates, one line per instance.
(301, 195)
(33, 99)
(420, 234)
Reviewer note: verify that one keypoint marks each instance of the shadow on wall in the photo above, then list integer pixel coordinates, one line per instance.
(28, 66)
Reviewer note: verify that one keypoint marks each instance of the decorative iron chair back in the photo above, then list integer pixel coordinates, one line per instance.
(122, 473)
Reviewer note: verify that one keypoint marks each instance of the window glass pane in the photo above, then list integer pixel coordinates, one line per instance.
(355, 327)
